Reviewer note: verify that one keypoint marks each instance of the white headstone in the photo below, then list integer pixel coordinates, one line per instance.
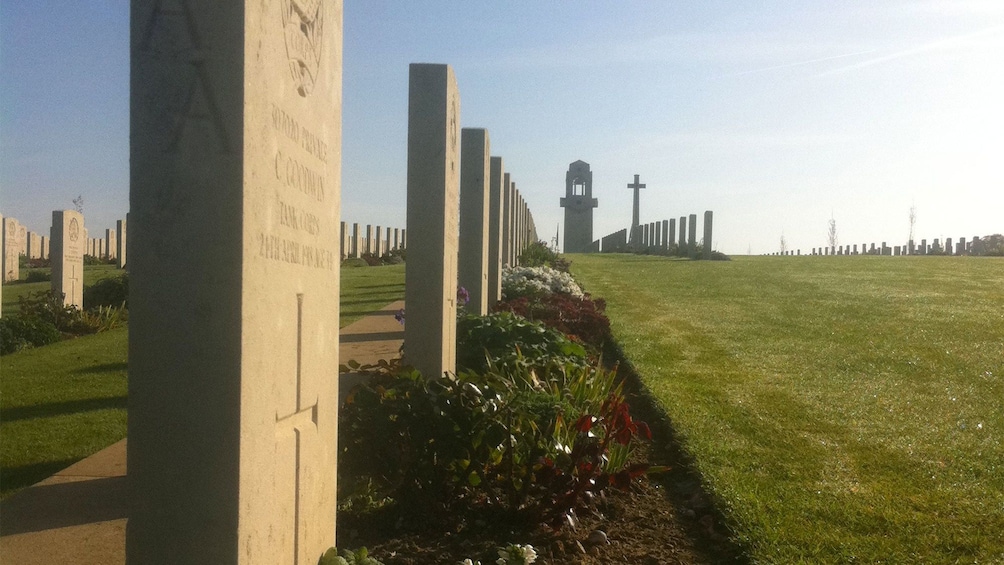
(235, 156)
(430, 339)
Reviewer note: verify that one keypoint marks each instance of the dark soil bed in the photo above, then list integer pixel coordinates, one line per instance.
(664, 520)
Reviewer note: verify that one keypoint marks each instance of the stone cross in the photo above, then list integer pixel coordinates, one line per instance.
(635, 186)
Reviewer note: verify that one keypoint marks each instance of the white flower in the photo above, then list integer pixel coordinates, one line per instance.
(469, 562)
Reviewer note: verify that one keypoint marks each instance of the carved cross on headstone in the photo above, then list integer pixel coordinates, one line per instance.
(302, 420)
(74, 279)
(636, 186)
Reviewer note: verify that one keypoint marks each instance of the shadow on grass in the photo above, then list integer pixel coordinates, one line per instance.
(61, 408)
(694, 506)
(103, 368)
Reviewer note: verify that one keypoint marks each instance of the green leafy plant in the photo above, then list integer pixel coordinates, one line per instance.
(505, 339)
(345, 557)
(537, 254)
(18, 333)
(507, 439)
(112, 291)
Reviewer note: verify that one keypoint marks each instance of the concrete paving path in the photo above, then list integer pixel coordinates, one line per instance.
(78, 516)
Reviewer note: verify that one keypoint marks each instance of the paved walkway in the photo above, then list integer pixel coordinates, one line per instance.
(78, 516)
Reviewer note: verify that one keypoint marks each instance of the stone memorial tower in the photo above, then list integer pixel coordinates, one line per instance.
(578, 203)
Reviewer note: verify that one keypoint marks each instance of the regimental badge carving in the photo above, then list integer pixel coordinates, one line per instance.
(74, 229)
(303, 27)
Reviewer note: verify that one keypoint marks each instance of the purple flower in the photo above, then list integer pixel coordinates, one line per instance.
(463, 297)
(400, 316)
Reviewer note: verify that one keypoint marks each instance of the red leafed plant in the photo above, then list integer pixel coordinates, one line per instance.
(579, 318)
(596, 461)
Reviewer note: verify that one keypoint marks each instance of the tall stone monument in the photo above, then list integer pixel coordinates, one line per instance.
(578, 203)
(430, 295)
(475, 174)
(636, 186)
(235, 155)
(67, 257)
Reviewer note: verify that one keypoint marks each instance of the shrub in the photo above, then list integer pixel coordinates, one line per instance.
(38, 275)
(113, 291)
(504, 340)
(537, 254)
(580, 318)
(354, 262)
(537, 281)
(372, 259)
(18, 332)
(522, 443)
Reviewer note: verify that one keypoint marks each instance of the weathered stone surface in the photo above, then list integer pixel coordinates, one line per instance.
(110, 244)
(615, 242)
(708, 223)
(475, 176)
(235, 129)
(495, 209)
(692, 237)
(682, 250)
(121, 233)
(430, 339)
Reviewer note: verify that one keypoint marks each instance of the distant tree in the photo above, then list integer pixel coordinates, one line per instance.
(784, 244)
(78, 203)
(831, 237)
(989, 245)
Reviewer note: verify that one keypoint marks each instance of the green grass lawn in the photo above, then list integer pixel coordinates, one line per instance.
(842, 409)
(368, 289)
(60, 403)
(65, 401)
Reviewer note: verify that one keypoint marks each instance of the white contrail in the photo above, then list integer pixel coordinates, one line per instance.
(800, 63)
(927, 47)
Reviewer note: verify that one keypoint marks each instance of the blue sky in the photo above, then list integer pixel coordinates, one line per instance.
(776, 115)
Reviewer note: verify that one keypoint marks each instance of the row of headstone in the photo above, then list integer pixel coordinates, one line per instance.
(663, 235)
(467, 219)
(17, 241)
(909, 248)
(233, 333)
(377, 242)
